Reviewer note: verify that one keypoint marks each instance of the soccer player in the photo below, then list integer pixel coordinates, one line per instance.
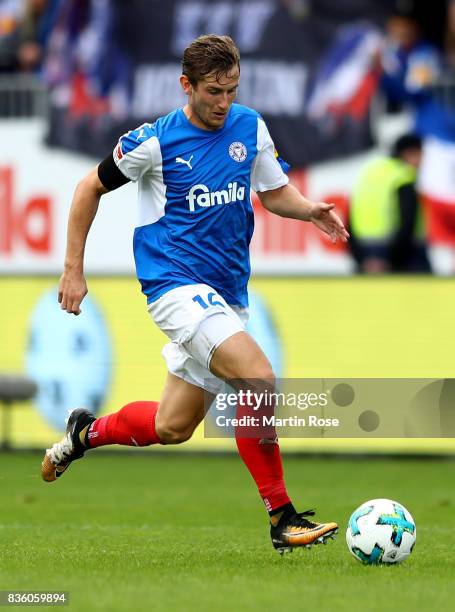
(194, 169)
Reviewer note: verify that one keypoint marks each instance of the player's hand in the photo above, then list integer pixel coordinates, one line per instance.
(72, 290)
(323, 216)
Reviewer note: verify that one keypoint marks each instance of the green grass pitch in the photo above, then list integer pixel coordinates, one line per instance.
(178, 532)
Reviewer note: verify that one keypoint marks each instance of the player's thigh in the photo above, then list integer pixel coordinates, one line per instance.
(240, 357)
(182, 406)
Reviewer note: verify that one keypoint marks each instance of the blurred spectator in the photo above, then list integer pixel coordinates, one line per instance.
(386, 218)
(33, 33)
(10, 14)
(25, 26)
(410, 66)
(450, 33)
(417, 77)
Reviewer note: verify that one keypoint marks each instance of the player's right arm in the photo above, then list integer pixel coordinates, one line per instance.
(73, 287)
(131, 158)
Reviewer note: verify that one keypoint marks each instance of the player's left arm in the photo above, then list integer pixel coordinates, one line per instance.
(287, 201)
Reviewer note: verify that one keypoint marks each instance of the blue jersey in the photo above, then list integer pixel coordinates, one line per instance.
(195, 214)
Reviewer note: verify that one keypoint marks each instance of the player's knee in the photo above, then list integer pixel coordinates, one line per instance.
(258, 376)
(266, 375)
(262, 377)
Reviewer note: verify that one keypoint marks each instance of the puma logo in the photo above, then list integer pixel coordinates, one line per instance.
(180, 160)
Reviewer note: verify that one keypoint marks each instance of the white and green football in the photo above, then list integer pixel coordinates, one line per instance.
(381, 531)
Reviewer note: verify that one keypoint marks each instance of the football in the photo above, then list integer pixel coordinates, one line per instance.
(381, 531)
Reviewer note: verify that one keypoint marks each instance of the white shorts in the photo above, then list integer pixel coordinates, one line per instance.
(196, 319)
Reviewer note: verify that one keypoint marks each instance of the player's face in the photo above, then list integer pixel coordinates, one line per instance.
(210, 100)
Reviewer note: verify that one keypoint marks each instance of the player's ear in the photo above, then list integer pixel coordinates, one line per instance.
(186, 84)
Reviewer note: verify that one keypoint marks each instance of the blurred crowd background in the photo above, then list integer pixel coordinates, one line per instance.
(359, 96)
(333, 82)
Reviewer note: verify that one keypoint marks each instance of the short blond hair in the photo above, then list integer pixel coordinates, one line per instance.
(209, 54)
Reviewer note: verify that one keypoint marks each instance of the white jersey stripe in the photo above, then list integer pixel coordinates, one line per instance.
(152, 193)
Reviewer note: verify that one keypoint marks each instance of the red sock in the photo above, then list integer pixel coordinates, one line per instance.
(133, 425)
(263, 459)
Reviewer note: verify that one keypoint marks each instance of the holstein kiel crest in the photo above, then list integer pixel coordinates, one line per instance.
(238, 151)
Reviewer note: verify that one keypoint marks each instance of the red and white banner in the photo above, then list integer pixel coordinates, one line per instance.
(36, 188)
(437, 185)
(437, 174)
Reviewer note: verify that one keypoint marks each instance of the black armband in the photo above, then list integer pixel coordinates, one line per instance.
(110, 175)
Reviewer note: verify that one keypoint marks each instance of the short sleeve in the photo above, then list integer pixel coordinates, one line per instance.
(266, 172)
(134, 153)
